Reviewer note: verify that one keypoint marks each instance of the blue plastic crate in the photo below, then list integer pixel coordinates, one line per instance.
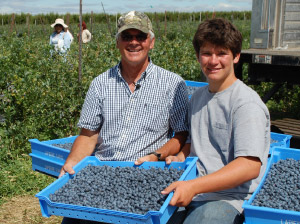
(47, 165)
(194, 85)
(280, 140)
(49, 208)
(48, 158)
(264, 215)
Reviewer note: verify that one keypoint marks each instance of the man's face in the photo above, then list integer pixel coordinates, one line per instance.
(134, 46)
(58, 28)
(217, 63)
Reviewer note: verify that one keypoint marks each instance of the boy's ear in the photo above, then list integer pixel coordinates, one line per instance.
(197, 56)
(236, 58)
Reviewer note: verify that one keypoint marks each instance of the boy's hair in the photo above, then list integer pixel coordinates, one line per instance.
(220, 32)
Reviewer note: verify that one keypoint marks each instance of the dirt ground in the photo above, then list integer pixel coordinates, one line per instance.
(25, 210)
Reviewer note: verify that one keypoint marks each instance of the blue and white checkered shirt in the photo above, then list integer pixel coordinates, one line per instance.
(134, 124)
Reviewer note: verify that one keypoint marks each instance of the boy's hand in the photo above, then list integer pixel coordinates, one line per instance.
(183, 193)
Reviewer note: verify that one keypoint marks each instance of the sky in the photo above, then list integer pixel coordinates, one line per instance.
(119, 6)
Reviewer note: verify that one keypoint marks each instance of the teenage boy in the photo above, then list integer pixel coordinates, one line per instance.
(229, 133)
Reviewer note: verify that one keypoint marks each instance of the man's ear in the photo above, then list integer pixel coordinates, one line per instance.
(236, 58)
(152, 43)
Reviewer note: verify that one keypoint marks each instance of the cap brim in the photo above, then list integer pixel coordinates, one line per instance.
(132, 26)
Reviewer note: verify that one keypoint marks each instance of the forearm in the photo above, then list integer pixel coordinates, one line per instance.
(237, 172)
(83, 146)
(173, 146)
(185, 152)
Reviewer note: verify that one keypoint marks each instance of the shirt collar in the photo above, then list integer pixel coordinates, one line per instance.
(147, 72)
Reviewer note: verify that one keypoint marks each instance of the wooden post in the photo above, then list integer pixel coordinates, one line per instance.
(42, 22)
(68, 22)
(200, 17)
(92, 21)
(12, 24)
(165, 23)
(28, 24)
(213, 15)
(80, 43)
(157, 24)
(107, 20)
(68, 19)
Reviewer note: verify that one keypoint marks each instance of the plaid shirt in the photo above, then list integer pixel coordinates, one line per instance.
(134, 124)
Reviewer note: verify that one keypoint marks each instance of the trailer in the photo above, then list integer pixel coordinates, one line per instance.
(274, 54)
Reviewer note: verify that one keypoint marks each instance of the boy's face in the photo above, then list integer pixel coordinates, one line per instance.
(217, 63)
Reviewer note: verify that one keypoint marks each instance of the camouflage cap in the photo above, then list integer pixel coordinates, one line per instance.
(134, 20)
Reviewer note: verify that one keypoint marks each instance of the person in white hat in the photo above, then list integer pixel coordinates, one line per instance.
(61, 39)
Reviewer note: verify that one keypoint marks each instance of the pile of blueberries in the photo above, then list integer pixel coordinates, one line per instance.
(127, 189)
(66, 146)
(281, 189)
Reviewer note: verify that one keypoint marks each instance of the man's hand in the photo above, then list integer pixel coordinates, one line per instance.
(83, 146)
(147, 158)
(183, 193)
(67, 168)
(170, 159)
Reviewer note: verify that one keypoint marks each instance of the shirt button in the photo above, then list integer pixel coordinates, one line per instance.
(129, 118)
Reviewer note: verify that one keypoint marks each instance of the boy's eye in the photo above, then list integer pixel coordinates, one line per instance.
(222, 53)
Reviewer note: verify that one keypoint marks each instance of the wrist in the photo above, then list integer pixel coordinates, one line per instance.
(155, 154)
(181, 157)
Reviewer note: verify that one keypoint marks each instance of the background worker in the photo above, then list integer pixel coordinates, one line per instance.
(60, 38)
(86, 34)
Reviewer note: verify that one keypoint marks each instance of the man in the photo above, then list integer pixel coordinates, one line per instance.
(229, 133)
(132, 110)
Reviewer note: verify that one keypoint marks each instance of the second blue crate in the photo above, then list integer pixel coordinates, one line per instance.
(48, 158)
(193, 86)
(265, 215)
